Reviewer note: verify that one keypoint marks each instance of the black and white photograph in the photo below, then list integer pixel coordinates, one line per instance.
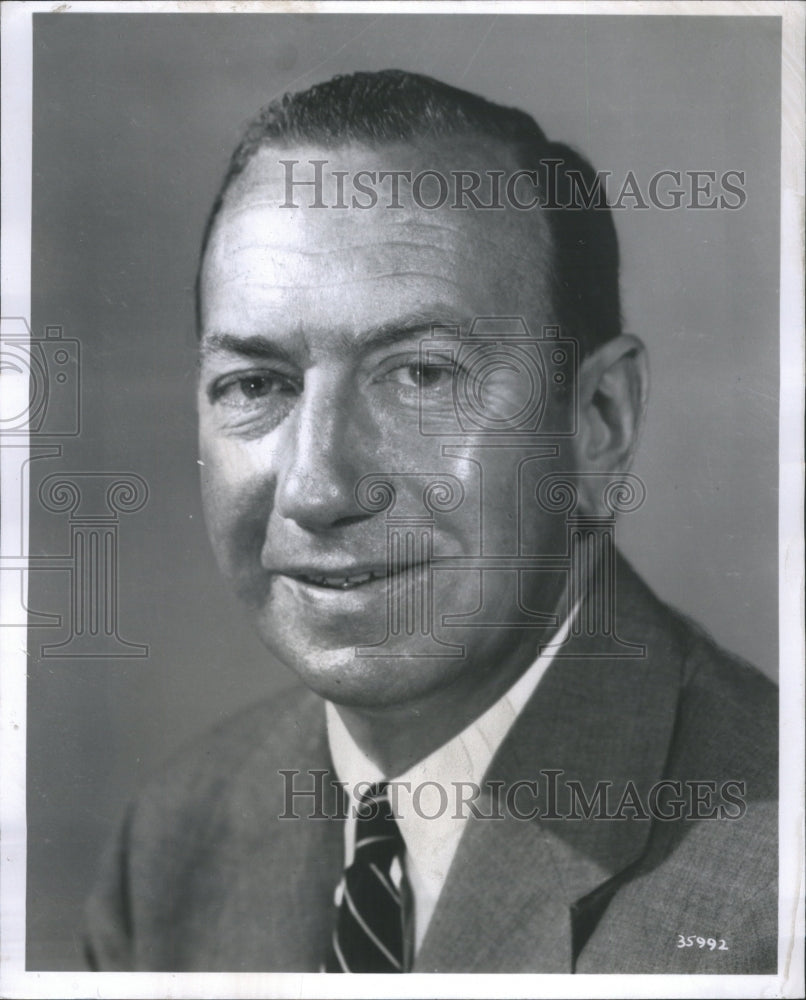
(402, 479)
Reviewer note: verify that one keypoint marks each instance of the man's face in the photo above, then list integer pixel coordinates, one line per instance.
(310, 381)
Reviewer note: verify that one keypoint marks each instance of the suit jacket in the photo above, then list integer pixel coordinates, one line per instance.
(206, 877)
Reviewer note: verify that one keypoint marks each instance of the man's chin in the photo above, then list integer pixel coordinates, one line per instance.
(351, 678)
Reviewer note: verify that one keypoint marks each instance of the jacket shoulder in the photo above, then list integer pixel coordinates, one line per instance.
(724, 700)
(184, 839)
(727, 717)
(262, 735)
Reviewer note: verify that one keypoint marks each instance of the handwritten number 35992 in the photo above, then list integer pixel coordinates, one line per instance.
(712, 944)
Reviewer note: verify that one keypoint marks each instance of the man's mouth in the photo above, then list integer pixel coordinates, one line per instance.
(351, 580)
(341, 581)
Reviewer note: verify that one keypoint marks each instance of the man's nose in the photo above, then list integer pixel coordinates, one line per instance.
(321, 455)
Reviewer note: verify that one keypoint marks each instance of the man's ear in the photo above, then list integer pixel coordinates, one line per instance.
(613, 386)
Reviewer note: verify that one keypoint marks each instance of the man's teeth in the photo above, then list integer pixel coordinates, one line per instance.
(342, 581)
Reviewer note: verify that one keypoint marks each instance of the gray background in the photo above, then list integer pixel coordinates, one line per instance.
(134, 120)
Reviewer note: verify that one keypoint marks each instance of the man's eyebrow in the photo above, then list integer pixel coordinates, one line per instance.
(387, 334)
(406, 327)
(253, 346)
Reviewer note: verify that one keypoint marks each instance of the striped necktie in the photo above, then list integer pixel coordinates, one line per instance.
(368, 936)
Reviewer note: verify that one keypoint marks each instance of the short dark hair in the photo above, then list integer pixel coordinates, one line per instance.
(376, 109)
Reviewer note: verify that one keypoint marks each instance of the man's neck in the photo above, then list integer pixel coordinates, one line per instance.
(397, 737)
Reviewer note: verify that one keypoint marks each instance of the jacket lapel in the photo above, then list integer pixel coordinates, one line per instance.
(524, 894)
(294, 864)
(501, 909)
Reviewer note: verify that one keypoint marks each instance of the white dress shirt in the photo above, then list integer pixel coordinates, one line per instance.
(431, 829)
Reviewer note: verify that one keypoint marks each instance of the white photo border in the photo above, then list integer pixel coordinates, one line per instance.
(15, 980)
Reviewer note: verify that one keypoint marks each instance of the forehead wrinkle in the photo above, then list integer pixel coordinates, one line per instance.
(242, 204)
(341, 253)
(375, 237)
(540, 242)
(307, 286)
(480, 236)
(337, 249)
(537, 255)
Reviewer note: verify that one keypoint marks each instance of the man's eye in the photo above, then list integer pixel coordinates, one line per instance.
(242, 389)
(423, 376)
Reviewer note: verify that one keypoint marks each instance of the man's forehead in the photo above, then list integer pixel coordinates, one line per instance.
(455, 186)
(319, 265)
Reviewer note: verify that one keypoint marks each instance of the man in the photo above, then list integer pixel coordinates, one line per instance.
(417, 408)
